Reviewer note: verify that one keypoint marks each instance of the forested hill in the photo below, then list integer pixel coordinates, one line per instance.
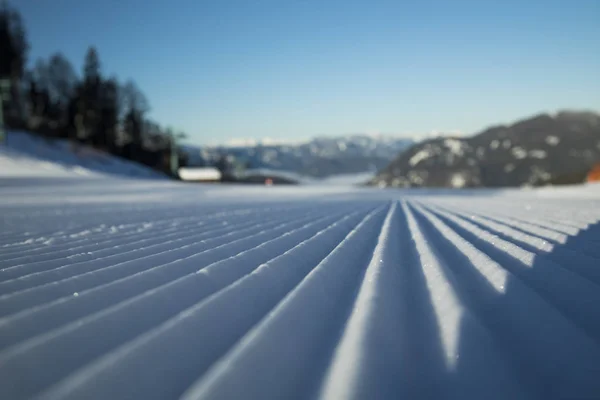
(536, 151)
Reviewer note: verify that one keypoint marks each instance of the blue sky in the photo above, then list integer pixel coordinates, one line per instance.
(227, 69)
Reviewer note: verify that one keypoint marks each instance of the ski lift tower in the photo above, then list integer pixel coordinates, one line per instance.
(4, 94)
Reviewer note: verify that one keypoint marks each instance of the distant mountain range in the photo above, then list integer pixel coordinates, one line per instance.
(536, 151)
(319, 157)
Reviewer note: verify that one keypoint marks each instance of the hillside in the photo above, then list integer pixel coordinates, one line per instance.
(319, 157)
(28, 155)
(536, 151)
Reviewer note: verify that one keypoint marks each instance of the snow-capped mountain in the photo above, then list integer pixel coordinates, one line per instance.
(536, 151)
(318, 157)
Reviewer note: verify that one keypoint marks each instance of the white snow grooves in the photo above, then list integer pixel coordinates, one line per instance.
(278, 293)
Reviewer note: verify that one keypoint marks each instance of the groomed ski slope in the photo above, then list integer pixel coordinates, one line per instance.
(114, 289)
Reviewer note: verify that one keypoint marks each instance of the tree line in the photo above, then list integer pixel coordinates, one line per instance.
(52, 100)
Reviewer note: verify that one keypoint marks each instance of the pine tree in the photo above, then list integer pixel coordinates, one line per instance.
(109, 114)
(90, 103)
(13, 43)
(13, 56)
(136, 105)
(62, 83)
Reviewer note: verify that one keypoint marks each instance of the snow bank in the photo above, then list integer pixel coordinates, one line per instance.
(27, 155)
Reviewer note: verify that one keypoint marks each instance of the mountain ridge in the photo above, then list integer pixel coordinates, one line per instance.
(319, 157)
(533, 151)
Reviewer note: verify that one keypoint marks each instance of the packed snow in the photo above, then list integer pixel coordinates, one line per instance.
(150, 289)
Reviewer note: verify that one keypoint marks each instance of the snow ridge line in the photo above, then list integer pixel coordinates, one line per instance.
(183, 244)
(126, 220)
(316, 310)
(538, 213)
(184, 255)
(27, 323)
(302, 252)
(181, 367)
(543, 229)
(565, 256)
(539, 272)
(163, 252)
(141, 218)
(358, 294)
(353, 357)
(179, 230)
(107, 234)
(514, 316)
(556, 233)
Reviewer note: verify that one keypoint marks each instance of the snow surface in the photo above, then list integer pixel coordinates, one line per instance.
(121, 288)
(419, 156)
(27, 155)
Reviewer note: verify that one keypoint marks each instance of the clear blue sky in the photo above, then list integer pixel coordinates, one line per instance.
(293, 69)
